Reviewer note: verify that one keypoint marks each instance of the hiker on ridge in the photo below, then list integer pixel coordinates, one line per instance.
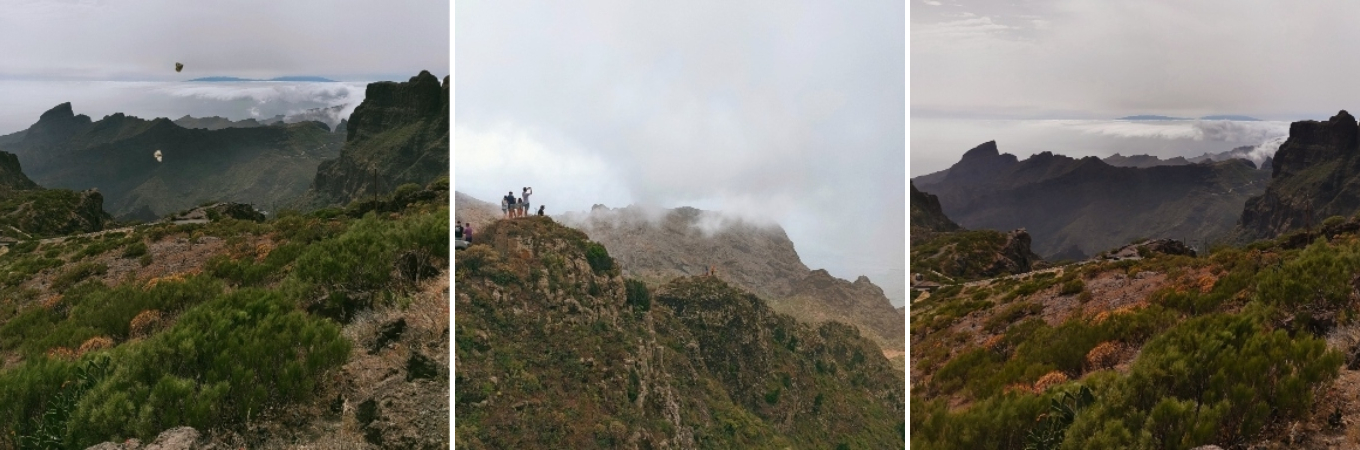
(467, 232)
(540, 210)
(507, 202)
(525, 196)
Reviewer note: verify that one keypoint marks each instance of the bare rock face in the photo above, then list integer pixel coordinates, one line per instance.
(1313, 177)
(1015, 256)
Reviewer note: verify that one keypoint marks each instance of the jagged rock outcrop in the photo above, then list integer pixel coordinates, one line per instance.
(29, 211)
(261, 165)
(550, 337)
(398, 135)
(1089, 205)
(926, 213)
(12, 176)
(958, 256)
(659, 245)
(1314, 175)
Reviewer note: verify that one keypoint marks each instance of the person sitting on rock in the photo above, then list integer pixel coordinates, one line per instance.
(540, 210)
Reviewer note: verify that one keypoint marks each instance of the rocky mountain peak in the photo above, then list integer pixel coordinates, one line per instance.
(980, 164)
(400, 131)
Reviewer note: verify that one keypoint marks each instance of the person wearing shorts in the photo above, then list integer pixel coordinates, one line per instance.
(525, 199)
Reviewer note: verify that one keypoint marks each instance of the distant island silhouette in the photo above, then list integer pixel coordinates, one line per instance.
(302, 79)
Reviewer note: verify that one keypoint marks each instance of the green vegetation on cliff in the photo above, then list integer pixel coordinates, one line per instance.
(556, 349)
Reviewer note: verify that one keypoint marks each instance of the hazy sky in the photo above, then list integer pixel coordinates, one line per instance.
(1084, 59)
(347, 40)
(781, 111)
(1001, 70)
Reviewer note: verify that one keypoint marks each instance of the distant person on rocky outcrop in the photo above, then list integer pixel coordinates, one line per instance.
(540, 210)
(458, 231)
(507, 202)
(527, 192)
(467, 232)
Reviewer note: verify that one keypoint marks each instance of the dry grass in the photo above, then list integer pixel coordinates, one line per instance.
(1050, 379)
(1104, 356)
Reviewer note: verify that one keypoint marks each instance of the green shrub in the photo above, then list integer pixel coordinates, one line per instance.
(136, 250)
(598, 258)
(77, 273)
(1216, 379)
(1073, 287)
(638, 295)
(236, 355)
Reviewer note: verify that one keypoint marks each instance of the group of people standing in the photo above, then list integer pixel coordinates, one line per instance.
(514, 207)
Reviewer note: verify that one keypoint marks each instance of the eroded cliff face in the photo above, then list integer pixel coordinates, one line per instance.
(398, 135)
(1315, 175)
(554, 346)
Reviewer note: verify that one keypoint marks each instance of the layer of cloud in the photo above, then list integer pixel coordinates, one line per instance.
(785, 112)
(938, 143)
(25, 101)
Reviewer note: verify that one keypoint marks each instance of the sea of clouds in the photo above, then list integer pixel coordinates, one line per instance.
(26, 100)
(937, 143)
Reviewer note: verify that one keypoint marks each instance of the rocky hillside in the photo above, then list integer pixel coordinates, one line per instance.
(659, 245)
(1074, 208)
(325, 330)
(12, 176)
(1315, 176)
(964, 255)
(926, 213)
(261, 165)
(398, 135)
(28, 211)
(479, 213)
(555, 348)
(1158, 349)
(942, 252)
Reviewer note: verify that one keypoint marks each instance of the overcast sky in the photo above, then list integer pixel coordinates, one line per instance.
(118, 56)
(995, 70)
(347, 40)
(781, 111)
(1083, 59)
